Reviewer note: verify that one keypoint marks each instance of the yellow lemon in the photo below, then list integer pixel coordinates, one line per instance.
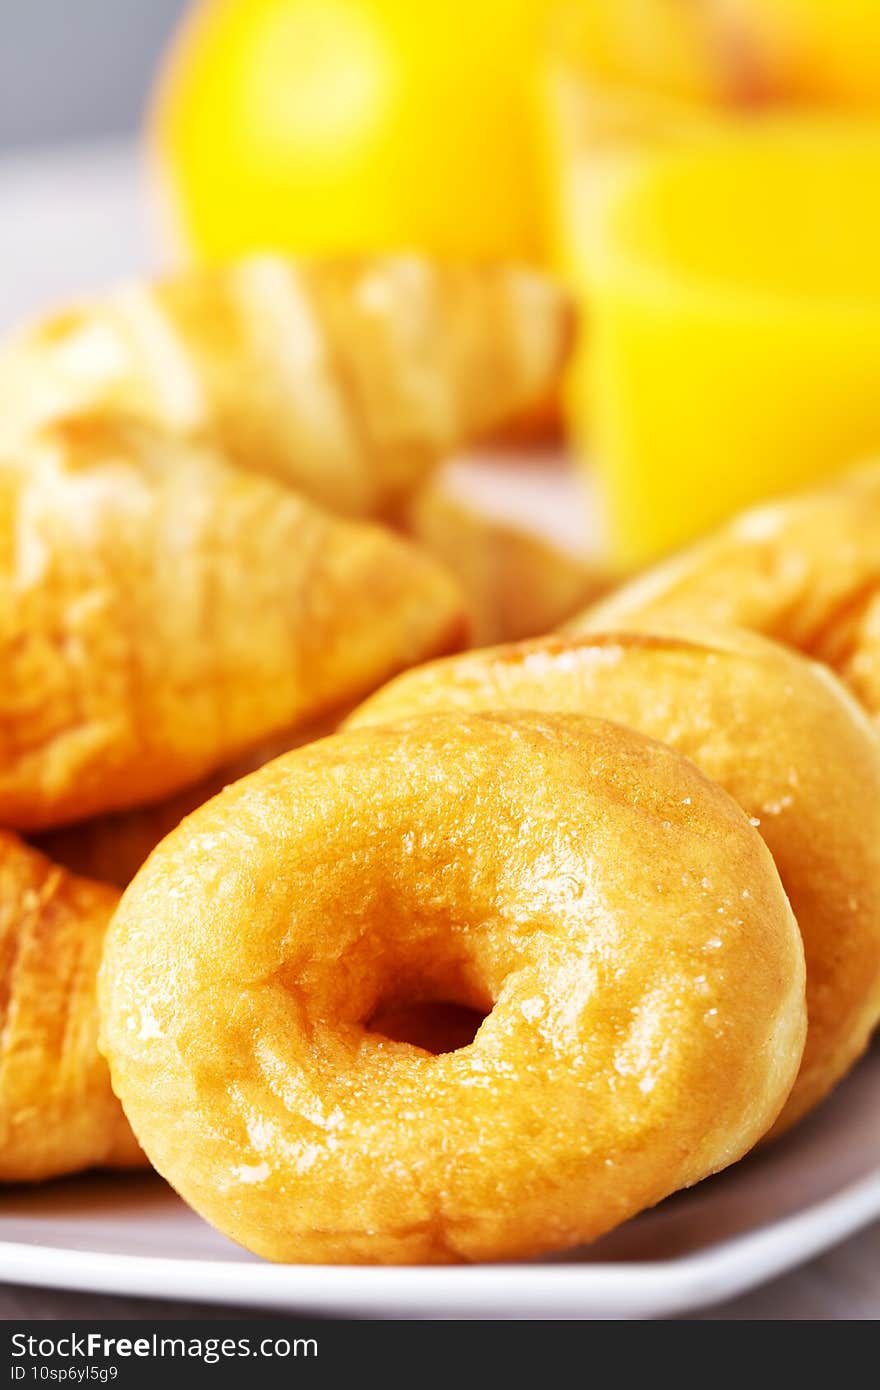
(321, 126)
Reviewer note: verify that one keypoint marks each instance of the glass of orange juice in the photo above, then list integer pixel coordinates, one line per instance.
(628, 82)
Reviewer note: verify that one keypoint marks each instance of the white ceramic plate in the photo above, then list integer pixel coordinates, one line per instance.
(764, 1216)
(134, 1236)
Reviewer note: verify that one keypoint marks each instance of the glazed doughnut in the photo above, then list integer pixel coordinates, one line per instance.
(805, 570)
(161, 614)
(779, 733)
(610, 911)
(57, 1111)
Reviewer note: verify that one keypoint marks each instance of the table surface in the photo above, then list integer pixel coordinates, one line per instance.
(71, 221)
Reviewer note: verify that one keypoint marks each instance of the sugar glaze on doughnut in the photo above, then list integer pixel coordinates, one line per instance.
(612, 913)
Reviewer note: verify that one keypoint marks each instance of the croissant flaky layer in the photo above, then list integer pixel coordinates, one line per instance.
(516, 583)
(161, 613)
(113, 847)
(58, 1113)
(347, 379)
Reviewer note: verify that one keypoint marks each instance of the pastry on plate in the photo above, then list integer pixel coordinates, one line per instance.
(57, 1111)
(804, 569)
(346, 379)
(162, 613)
(779, 733)
(608, 912)
(517, 583)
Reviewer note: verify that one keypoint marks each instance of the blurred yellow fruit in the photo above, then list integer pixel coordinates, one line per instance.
(318, 126)
(814, 51)
(727, 52)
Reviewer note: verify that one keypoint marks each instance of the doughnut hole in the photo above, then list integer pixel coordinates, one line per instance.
(434, 1012)
(432, 1025)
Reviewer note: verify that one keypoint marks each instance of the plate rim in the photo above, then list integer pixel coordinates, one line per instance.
(625, 1289)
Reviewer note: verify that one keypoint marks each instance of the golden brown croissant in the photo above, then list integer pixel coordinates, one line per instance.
(516, 584)
(57, 1111)
(112, 847)
(161, 613)
(346, 379)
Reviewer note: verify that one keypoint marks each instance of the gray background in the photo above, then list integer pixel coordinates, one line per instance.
(74, 69)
